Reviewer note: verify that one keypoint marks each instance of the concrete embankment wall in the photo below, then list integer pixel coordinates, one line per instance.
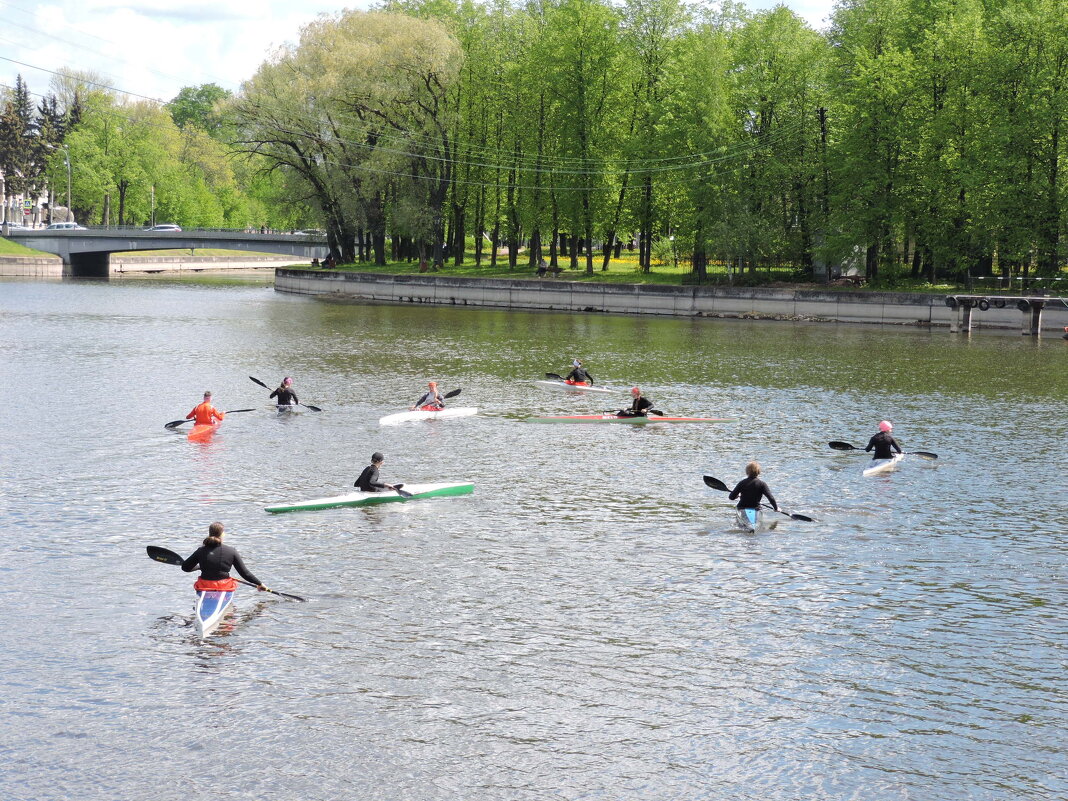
(165, 264)
(894, 308)
(31, 266)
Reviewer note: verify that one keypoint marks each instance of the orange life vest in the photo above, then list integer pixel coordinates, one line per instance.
(205, 414)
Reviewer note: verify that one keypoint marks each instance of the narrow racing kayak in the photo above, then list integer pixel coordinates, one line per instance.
(638, 420)
(211, 606)
(286, 408)
(575, 387)
(360, 498)
(878, 466)
(202, 433)
(419, 414)
(754, 521)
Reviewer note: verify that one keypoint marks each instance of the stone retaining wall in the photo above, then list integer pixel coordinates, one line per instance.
(31, 266)
(891, 308)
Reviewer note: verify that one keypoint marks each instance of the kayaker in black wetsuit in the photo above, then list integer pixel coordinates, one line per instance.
(751, 489)
(215, 561)
(883, 442)
(639, 407)
(431, 398)
(368, 480)
(579, 374)
(285, 394)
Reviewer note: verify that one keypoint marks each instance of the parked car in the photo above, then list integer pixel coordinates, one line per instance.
(165, 227)
(65, 226)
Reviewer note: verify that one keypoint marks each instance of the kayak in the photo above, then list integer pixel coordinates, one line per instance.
(419, 414)
(612, 418)
(360, 498)
(754, 521)
(211, 606)
(575, 387)
(202, 433)
(878, 466)
(286, 408)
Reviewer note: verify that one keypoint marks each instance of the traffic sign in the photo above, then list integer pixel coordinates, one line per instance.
(27, 205)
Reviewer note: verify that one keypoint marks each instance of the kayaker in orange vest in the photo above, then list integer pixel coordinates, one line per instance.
(215, 561)
(204, 414)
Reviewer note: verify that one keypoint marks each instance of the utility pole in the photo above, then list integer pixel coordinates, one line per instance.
(153, 205)
(66, 158)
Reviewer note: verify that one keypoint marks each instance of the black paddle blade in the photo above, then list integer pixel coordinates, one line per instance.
(843, 446)
(175, 423)
(716, 484)
(796, 516)
(655, 412)
(453, 394)
(309, 406)
(286, 595)
(163, 555)
(235, 411)
(554, 376)
(924, 454)
(259, 382)
(404, 493)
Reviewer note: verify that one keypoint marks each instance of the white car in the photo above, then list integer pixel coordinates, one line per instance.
(165, 227)
(66, 226)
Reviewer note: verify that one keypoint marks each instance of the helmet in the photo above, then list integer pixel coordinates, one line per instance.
(886, 425)
(287, 381)
(377, 457)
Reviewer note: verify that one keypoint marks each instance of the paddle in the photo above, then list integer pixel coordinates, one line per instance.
(171, 558)
(397, 489)
(845, 446)
(452, 394)
(716, 484)
(648, 413)
(308, 405)
(176, 423)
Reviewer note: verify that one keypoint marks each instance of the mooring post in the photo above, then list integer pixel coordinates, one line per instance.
(966, 323)
(1036, 317)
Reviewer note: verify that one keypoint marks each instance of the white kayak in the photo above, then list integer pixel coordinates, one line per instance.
(210, 608)
(419, 414)
(575, 387)
(754, 521)
(878, 466)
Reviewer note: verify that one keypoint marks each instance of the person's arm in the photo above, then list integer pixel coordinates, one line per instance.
(215, 413)
(871, 444)
(589, 377)
(734, 492)
(275, 393)
(190, 564)
(643, 404)
(770, 497)
(894, 445)
(192, 414)
(293, 395)
(246, 574)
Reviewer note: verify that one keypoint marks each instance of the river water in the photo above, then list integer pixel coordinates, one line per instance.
(587, 624)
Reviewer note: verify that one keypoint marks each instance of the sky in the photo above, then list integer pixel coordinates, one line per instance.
(153, 48)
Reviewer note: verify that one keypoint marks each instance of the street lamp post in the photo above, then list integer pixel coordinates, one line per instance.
(66, 159)
(153, 204)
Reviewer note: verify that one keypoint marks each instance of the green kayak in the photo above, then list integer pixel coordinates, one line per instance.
(360, 498)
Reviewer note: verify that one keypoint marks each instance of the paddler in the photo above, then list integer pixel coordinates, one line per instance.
(883, 442)
(751, 489)
(368, 480)
(431, 400)
(215, 561)
(578, 374)
(285, 394)
(639, 406)
(204, 414)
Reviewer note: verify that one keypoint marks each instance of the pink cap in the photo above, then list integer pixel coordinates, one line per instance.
(635, 391)
(886, 425)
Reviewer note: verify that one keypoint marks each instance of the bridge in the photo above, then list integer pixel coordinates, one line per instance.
(87, 252)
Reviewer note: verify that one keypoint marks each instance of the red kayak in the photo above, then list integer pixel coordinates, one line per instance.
(615, 418)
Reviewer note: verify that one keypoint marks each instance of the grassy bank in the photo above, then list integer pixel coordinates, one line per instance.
(10, 248)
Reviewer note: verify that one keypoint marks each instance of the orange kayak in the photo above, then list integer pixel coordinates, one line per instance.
(203, 432)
